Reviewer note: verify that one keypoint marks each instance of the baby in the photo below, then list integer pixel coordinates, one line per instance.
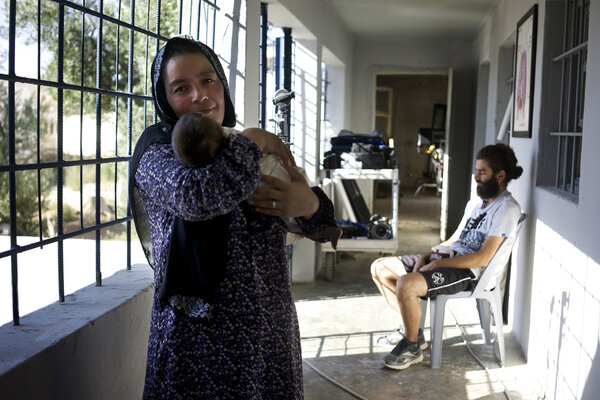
(196, 141)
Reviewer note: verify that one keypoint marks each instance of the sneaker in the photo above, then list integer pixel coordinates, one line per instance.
(403, 356)
(394, 337)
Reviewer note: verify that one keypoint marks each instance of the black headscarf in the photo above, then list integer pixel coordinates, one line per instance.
(197, 249)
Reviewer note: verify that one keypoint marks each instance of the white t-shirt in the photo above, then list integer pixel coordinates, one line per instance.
(499, 218)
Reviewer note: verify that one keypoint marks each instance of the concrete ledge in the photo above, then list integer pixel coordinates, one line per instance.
(92, 346)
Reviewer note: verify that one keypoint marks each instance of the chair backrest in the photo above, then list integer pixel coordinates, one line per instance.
(497, 266)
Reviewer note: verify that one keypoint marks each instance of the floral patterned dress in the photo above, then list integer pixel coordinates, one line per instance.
(245, 344)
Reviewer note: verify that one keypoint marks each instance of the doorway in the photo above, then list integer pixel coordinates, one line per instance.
(411, 113)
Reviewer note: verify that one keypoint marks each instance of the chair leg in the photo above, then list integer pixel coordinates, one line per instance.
(423, 313)
(497, 310)
(437, 310)
(483, 308)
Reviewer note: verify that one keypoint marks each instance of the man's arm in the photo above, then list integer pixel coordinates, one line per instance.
(421, 262)
(480, 258)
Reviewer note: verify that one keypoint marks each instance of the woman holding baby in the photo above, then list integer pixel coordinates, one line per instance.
(238, 337)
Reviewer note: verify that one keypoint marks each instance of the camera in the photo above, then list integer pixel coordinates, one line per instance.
(379, 228)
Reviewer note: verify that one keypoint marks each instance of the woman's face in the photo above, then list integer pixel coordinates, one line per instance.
(192, 84)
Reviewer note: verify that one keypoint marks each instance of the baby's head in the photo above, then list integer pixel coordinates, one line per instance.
(196, 139)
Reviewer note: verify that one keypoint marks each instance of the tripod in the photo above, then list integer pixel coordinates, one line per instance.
(282, 100)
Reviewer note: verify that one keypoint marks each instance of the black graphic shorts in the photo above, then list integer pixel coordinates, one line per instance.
(442, 280)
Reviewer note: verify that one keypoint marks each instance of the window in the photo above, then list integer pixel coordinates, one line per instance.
(75, 96)
(564, 93)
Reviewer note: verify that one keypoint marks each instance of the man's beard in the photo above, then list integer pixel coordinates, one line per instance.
(488, 189)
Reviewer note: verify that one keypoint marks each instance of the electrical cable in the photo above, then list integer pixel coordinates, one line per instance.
(464, 337)
(336, 383)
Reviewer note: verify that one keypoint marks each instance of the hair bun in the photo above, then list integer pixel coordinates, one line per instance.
(516, 172)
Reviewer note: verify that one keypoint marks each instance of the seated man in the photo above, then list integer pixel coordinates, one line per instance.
(404, 280)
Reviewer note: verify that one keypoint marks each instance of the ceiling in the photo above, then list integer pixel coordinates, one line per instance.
(393, 19)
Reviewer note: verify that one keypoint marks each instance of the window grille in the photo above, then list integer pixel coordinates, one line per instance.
(568, 132)
(75, 89)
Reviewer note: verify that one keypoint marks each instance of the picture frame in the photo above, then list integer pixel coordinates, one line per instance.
(524, 74)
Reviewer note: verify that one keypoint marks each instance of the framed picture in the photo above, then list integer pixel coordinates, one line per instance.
(524, 74)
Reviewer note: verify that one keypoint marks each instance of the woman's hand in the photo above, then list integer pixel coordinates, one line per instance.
(286, 199)
(267, 142)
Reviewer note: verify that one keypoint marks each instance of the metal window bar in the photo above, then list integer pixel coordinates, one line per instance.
(130, 123)
(179, 20)
(287, 59)
(292, 118)
(264, 28)
(157, 29)
(38, 115)
(287, 75)
(325, 78)
(81, 82)
(11, 158)
(59, 154)
(98, 138)
(116, 130)
(278, 63)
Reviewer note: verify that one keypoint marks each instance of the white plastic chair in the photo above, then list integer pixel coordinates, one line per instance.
(488, 288)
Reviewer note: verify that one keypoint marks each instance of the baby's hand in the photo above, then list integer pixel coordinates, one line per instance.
(268, 142)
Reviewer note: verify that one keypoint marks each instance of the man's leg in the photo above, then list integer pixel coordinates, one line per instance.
(409, 289)
(385, 273)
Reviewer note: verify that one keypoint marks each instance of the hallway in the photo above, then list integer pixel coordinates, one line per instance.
(341, 319)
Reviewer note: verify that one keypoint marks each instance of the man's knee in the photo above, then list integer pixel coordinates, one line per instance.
(381, 267)
(411, 285)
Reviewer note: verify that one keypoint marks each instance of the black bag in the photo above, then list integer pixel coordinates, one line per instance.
(332, 160)
(344, 143)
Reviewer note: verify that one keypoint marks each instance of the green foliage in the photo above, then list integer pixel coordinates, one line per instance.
(26, 182)
(80, 63)
(80, 50)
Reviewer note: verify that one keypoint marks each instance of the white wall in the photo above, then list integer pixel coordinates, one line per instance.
(555, 305)
(337, 97)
